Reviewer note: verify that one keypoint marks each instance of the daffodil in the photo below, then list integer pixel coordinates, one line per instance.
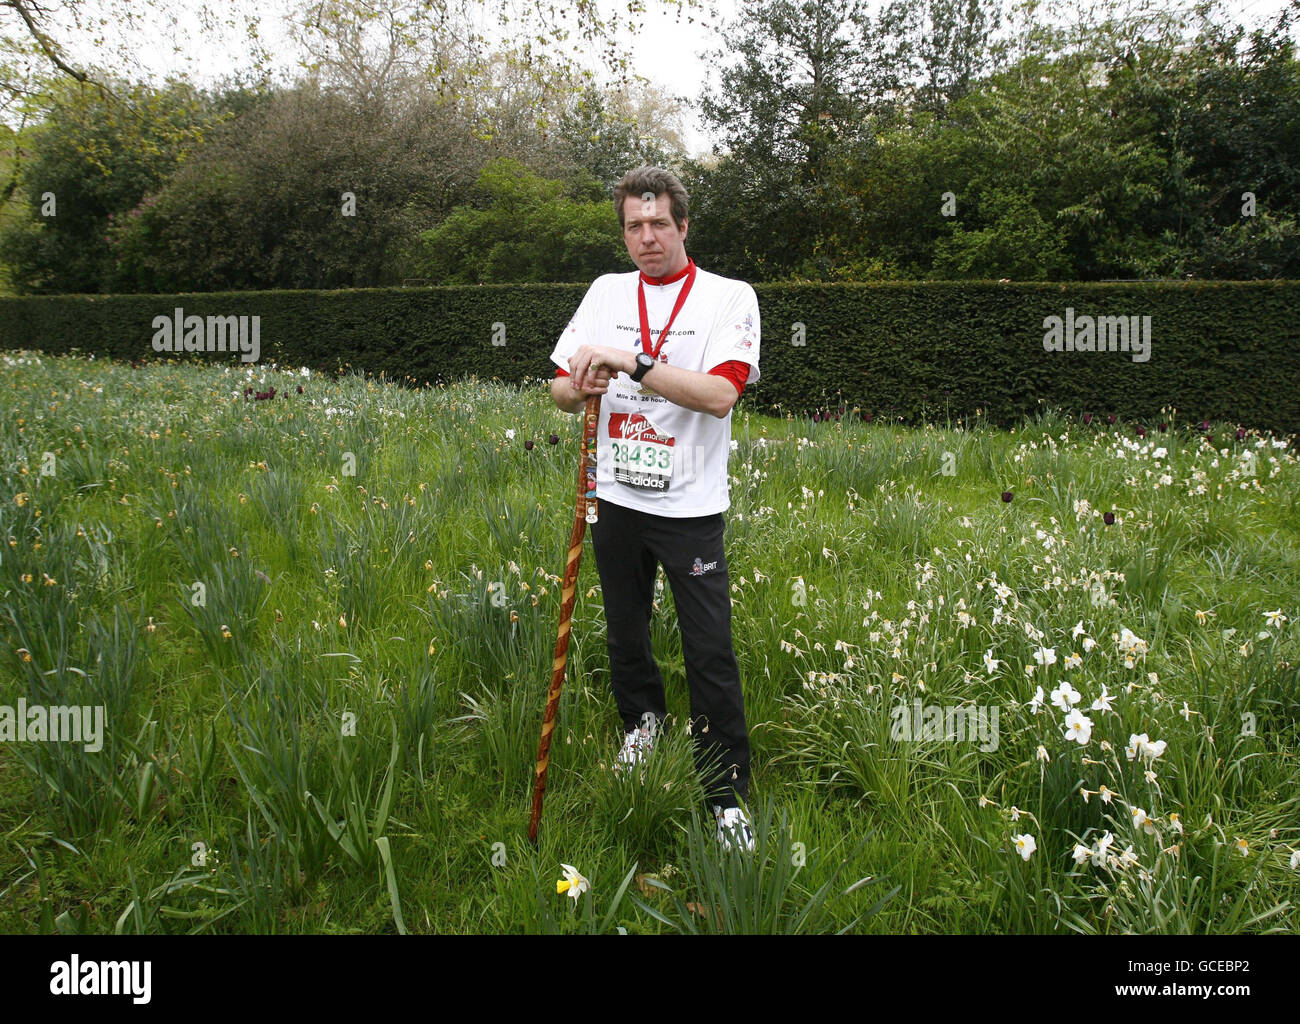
(1065, 696)
(1045, 656)
(991, 663)
(1295, 860)
(1175, 824)
(1078, 727)
(1243, 846)
(572, 883)
(1100, 848)
(1102, 703)
(1043, 755)
(1025, 845)
(1036, 705)
(1081, 853)
(1275, 618)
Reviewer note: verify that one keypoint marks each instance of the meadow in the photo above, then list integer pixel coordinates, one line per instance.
(319, 613)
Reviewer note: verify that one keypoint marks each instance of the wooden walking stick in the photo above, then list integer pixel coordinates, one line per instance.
(584, 513)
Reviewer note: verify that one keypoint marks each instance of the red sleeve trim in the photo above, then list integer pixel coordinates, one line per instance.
(560, 371)
(736, 371)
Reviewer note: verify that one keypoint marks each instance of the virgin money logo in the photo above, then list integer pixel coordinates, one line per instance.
(632, 426)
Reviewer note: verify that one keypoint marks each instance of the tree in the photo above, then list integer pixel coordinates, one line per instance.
(93, 158)
(524, 228)
(300, 192)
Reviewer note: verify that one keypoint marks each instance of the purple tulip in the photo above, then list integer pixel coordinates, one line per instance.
(553, 439)
(1111, 420)
(1087, 418)
(1204, 425)
(1241, 433)
(1108, 518)
(1164, 427)
(1142, 431)
(528, 446)
(1007, 495)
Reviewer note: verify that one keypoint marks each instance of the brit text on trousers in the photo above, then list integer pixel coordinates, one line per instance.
(629, 544)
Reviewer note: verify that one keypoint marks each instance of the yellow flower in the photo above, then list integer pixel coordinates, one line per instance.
(20, 499)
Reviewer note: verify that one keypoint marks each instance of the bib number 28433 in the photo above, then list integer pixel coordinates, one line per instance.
(642, 455)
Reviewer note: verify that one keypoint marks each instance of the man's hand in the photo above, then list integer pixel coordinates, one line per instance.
(593, 366)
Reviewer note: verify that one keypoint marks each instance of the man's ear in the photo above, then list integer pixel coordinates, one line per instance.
(686, 224)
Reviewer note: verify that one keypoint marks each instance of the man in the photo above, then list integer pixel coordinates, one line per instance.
(669, 348)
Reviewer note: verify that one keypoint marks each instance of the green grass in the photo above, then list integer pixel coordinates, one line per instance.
(322, 625)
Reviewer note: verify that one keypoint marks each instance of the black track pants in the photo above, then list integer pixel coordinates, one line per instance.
(628, 545)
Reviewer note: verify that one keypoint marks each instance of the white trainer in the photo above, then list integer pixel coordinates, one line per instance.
(734, 831)
(637, 745)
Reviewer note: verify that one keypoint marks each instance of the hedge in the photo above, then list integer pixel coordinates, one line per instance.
(901, 350)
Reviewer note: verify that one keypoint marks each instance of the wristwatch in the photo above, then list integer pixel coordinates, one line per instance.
(644, 361)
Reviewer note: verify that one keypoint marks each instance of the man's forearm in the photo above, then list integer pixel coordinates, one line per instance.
(566, 398)
(691, 389)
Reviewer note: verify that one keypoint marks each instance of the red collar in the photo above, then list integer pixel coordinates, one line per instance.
(690, 264)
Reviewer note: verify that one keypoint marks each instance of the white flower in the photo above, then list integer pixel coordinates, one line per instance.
(1088, 644)
(1015, 812)
(1243, 846)
(1126, 859)
(1175, 825)
(1025, 845)
(1078, 727)
(1065, 696)
(1102, 703)
(1045, 656)
(1036, 705)
(572, 883)
(1073, 661)
(1078, 630)
(1042, 753)
(510, 435)
(1141, 820)
(1141, 744)
(991, 663)
(1081, 853)
(1295, 860)
(1186, 712)
(1275, 618)
(1100, 848)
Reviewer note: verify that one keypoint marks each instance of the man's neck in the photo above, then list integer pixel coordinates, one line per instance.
(676, 274)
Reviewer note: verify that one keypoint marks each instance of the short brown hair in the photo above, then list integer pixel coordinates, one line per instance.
(654, 180)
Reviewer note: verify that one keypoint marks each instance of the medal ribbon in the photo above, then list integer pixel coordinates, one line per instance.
(677, 308)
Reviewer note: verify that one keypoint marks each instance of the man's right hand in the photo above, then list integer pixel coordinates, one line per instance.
(574, 399)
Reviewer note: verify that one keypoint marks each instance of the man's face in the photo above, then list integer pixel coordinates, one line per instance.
(655, 243)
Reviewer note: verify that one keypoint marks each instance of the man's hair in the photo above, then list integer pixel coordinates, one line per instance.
(655, 180)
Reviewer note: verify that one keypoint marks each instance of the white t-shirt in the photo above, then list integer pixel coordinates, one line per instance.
(653, 455)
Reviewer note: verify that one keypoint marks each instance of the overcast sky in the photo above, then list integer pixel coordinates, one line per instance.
(669, 50)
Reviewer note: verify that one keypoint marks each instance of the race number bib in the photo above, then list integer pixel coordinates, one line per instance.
(642, 455)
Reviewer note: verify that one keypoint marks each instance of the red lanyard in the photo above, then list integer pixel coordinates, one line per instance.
(677, 308)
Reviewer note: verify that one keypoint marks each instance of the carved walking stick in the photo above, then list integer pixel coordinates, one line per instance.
(584, 513)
